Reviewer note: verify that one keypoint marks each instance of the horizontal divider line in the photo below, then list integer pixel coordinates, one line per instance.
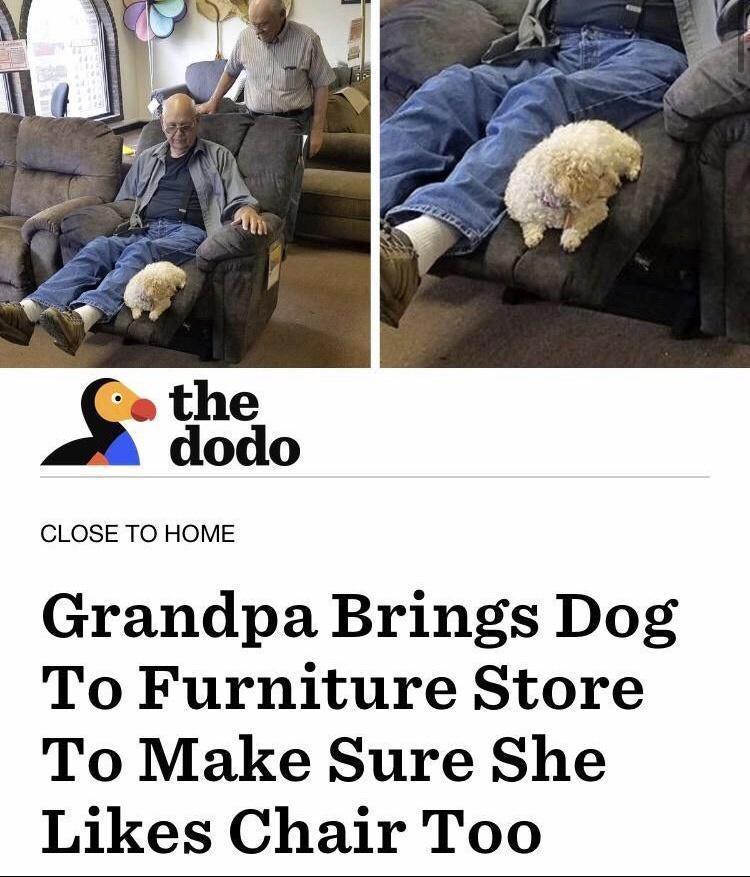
(417, 477)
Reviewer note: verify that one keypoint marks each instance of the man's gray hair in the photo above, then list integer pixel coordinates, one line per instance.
(277, 7)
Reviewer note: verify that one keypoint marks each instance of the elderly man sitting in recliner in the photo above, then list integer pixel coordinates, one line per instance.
(183, 190)
(448, 152)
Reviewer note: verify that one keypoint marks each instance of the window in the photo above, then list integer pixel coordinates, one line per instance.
(65, 44)
(4, 97)
(6, 33)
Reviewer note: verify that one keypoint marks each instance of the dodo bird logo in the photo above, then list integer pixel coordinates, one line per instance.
(106, 404)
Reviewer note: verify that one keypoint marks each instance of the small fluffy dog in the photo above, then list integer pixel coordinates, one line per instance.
(566, 181)
(153, 289)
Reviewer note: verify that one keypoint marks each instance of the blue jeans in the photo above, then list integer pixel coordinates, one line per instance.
(99, 273)
(449, 150)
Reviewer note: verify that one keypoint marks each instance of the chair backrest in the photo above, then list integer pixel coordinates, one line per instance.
(343, 74)
(419, 38)
(59, 159)
(59, 101)
(507, 12)
(266, 150)
(202, 78)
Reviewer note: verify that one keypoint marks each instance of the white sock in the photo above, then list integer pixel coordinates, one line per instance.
(90, 315)
(432, 238)
(32, 310)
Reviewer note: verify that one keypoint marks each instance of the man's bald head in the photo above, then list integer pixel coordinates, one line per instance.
(179, 122)
(274, 7)
(267, 17)
(179, 104)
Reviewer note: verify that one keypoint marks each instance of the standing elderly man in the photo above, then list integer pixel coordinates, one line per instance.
(183, 189)
(287, 75)
(287, 72)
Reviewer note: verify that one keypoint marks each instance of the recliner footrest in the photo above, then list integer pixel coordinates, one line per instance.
(586, 276)
(160, 332)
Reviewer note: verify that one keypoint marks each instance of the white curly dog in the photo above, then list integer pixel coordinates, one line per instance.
(566, 181)
(153, 288)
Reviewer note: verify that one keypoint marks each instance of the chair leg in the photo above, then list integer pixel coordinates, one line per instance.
(206, 352)
(687, 322)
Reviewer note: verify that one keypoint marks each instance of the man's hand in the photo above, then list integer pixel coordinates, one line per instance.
(316, 141)
(213, 103)
(250, 220)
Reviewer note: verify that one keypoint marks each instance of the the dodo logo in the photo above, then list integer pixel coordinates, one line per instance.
(106, 404)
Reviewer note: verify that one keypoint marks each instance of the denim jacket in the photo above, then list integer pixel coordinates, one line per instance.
(218, 183)
(698, 25)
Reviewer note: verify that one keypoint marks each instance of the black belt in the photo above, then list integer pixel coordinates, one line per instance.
(633, 14)
(289, 114)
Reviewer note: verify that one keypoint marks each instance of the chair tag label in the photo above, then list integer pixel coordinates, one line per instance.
(274, 264)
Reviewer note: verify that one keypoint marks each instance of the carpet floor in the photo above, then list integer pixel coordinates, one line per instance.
(322, 321)
(460, 323)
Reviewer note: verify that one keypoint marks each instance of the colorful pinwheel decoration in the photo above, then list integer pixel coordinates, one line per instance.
(153, 18)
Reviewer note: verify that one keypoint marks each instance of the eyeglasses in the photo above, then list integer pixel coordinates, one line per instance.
(183, 129)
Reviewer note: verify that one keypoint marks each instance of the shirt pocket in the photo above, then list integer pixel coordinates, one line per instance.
(293, 78)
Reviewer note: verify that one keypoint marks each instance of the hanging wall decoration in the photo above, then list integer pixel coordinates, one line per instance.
(224, 9)
(230, 9)
(153, 18)
(220, 13)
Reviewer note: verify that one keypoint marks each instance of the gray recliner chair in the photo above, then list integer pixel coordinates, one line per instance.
(643, 262)
(40, 184)
(201, 79)
(231, 291)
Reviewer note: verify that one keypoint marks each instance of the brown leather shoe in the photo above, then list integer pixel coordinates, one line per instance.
(399, 277)
(65, 328)
(15, 326)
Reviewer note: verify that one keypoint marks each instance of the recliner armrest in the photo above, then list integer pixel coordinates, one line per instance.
(161, 94)
(87, 223)
(347, 151)
(716, 87)
(51, 219)
(232, 242)
(720, 137)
